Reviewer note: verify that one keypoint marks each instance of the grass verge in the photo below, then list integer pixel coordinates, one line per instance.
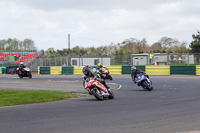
(18, 97)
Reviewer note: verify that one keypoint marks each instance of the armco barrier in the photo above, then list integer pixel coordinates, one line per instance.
(126, 69)
(55, 70)
(158, 70)
(183, 70)
(198, 70)
(115, 70)
(78, 70)
(67, 70)
(44, 70)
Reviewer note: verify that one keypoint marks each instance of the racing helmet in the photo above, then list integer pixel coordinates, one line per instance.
(21, 63)
(133, 68)
(99, 65)
(86, 70)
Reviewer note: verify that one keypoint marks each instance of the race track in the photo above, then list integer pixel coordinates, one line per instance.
(172, 107)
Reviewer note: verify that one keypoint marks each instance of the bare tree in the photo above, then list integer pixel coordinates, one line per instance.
(167, 42)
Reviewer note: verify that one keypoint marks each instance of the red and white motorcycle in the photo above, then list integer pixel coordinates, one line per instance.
(97, 89)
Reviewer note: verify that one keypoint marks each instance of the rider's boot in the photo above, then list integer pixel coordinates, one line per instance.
(108, 88)
(138, 84)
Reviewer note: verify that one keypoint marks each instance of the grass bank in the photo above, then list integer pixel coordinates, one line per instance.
(18, 97)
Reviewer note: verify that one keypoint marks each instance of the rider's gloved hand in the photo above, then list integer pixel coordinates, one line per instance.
(83, 77)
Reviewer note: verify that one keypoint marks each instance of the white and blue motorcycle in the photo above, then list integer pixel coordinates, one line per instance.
(143, 81)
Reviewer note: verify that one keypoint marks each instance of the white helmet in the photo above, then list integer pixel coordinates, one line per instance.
(21, 63)
(133, 68)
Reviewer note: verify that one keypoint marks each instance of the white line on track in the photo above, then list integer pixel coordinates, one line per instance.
(118, 87)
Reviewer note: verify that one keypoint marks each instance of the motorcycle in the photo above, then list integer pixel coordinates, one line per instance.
(143, 81)
(25, 72)
(104, 74)
(97, 89)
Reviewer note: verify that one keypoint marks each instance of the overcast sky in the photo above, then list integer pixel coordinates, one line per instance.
(97, 22)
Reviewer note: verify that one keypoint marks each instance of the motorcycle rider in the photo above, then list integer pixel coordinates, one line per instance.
(21, 67)
(89, 72)
(134, 72)
(100, 68)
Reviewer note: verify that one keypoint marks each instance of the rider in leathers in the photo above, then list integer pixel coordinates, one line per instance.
(21, 67)
(134, 72)
(88, 72)
(99, 69)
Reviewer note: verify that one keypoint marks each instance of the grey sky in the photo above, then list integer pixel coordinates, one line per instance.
(97, 23)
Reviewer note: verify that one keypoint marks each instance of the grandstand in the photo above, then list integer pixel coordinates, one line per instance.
(4, 56)
(15, 58)
(28, 58)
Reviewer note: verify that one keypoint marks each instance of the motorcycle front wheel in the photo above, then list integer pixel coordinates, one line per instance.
(97, 94)
(146, 86)
(20, 76)
(111, 96)
(110, 77)
(30, 75)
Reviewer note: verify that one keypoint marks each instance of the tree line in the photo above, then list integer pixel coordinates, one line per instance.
(127, 47)
(132, 46)
(14, 45)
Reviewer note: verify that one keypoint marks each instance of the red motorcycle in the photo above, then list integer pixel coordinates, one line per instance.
(97, 89)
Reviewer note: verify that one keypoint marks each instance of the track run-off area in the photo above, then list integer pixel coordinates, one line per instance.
(172, 107)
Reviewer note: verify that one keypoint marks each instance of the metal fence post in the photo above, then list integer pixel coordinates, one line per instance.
(35, 64)
(39, 61)
(131, 59)
(188, 58)
(31, 64)
(82, 60)
(167, 58)
(49, 61)
(60, 60)
(44, 61)
(79, 61)
(67, 60)
(113, 59)
(55, 61)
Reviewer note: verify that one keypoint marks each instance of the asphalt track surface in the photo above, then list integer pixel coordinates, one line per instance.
(172, 107)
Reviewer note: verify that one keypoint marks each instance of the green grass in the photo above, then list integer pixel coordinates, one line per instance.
(18, 97)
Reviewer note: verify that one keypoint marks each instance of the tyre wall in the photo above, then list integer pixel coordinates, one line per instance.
(158, 70)
(118, 70)
(183, 70)
(2, 70)
(115, 70)
(198, 70)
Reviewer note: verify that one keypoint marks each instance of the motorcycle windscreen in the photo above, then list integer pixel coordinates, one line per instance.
(105, 71)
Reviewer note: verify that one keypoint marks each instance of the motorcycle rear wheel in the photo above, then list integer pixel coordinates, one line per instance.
(97, 94)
